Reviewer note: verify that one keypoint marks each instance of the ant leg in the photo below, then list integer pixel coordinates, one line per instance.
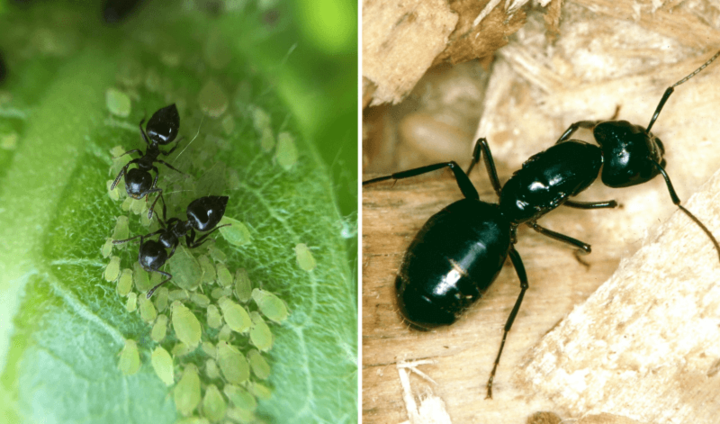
(591, 205)
(152, 208)
(676, 201)
(466, 187)
(122, 172)
(559, 237)
(520, 270)
(142, 131)
(482, 146)
(129, 152)
(152, 290)
(169, 166)
(193, 244)
(141, 236)
(177, 143)
(671, 89)
(576, 126)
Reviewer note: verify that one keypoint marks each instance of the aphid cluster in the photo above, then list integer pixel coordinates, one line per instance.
(215, 323)
(460, 251)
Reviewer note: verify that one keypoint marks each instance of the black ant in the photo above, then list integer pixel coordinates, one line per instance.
(203, 215)
(162, 128)
(460, 250)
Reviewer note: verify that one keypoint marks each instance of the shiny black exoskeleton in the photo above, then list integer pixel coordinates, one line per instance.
(161, 129)
(460, 250)
(203, 215)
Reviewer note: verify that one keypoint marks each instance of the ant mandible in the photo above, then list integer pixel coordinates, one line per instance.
(203, 215)
(460, 250)
(162, 128)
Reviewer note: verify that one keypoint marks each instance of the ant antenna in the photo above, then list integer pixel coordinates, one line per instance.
(670, 90)
(193, 139)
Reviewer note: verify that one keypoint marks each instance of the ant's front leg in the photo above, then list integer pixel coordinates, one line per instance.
(122, 172)
(463, 182)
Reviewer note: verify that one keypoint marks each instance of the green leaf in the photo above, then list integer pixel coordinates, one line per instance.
(63, 325)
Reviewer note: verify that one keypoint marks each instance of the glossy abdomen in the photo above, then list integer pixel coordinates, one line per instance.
(451, 262)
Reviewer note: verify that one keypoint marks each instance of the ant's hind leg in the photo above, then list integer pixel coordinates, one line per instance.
(520, 270)
(460, 176)
(591, 205)
(152, 290)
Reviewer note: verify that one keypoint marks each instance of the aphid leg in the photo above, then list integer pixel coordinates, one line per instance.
(481, 146)
(591, 205)
(177, 143)
(152, 290)
(576, 126)
(559, 237)
(676, 201)
(190, 239)
(460, 176)
(520, 270)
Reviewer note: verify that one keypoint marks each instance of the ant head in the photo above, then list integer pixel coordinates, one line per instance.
(206, 212)
(163, 126)
(152, 255)
(138, 183)
(628, 153)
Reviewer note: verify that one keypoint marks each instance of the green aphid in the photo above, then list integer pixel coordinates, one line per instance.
(114, 194)
(286, 154)
(187, 391)
(218, 292)
(240, 397)
(223, 275)
(186, 270)
(162, 362)
(241, 415)
(186, 325)
(178, 295)
(214, 319)
(129, 362)
(213, 404)
(232, 363)
(235, 316)
(228, 124)
(208, 269)
(259, 365)
(217, 254)
(161, 299)
(304, 257)
(270, 305)
(125, 205)
(113, 269)
(261, 119)
(237, 233)
(131, 303)
(212, 99)
(144, 220)
(141, 278)
(267, 139)
(117, 102)
(225, 333)
(138, 206)
(260, 334)
(180, 349)
(125, 282)
(211, 369)
(107, 248)
(209, 349)
(159, 329)
(147, 310)
(122, 230)
(243, 285)
(116, 152)
(260, 391)
(200, 299)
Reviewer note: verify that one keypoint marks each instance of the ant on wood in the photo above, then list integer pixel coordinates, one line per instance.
(459, 252)
(162, 128)
(203, 215)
